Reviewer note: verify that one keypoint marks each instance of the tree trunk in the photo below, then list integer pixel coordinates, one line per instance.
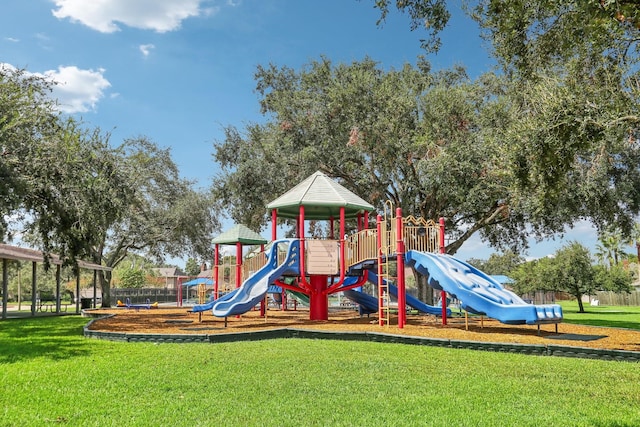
(580, 305)
(425, 292)
(104, 280)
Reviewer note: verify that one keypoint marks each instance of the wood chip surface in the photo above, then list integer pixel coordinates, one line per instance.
(181, 321)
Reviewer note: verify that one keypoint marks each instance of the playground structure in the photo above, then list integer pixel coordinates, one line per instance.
(320, 268)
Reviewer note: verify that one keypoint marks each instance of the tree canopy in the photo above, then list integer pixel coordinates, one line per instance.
(498, 264)
(570, 270)
(74, 192)
(436, 144)
(574, 70)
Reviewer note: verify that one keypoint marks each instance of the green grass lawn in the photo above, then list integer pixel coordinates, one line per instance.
(51, 375)
(609, 316)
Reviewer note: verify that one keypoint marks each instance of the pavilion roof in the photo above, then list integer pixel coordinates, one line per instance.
(240, 234)
(18, 253)
(322, 198)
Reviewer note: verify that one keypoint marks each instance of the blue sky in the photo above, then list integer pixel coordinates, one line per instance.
(178, 71)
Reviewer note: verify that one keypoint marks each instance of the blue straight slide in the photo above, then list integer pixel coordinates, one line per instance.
(255, 287)
(478, 292)
(366, 302)
(369, 304)
(209, 305)
(412, 301)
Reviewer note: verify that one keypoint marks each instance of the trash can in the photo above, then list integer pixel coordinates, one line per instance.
(85, 303)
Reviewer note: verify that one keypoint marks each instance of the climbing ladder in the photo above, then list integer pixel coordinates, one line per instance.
(383, 282)
(386, 238)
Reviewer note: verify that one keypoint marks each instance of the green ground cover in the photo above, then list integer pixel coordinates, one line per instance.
(608, 316)
(51, 375)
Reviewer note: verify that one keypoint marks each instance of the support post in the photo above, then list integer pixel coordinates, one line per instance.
(238, 267)
(78, 292)
(303, 274)
(58, 267)
(95, 280)
(402, 297)
(318, 301)
(443, 294)
(274, 224)
(5, 286)
(34, 288)
(332, 233)
(216, 271)
(238, 264)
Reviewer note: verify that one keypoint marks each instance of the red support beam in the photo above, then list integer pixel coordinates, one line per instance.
(216, 271)
(443, 293)
(402, 296)
(274, 224)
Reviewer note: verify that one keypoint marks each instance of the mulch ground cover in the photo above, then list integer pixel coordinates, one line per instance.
(181, 321)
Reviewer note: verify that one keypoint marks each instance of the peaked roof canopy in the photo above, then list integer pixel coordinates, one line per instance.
(321, 197)
(240, 234)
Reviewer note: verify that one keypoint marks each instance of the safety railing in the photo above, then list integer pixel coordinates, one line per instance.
(360, 247)
(420, 235)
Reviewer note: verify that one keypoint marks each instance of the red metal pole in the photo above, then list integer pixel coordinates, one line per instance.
(303, 277)
(216, 271)
(331, 230)
(443, 293)
(402, 297)
(238, 264)
(274, 224)
(238, 267)
(342, 243)
(301, 237)
(379, 250)
(179, 293)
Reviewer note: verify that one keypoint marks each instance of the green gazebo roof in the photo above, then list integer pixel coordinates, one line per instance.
(240, 234)
(321, 197)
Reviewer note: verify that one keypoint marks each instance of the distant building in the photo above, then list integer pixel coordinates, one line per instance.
(206, 273)
(169, 277)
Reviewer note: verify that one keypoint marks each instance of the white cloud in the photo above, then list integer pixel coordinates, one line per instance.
(146, 49)
(77, 91)
(7, 67)
(102, 15)
(12, 39)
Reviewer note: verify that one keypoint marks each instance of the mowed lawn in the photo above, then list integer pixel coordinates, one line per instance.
(51, 375)
(601, 315)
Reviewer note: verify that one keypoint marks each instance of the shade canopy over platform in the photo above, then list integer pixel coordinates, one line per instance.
(199, 281)
(322, 199)
(240, 234)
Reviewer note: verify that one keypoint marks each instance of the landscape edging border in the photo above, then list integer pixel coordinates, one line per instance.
(531, 349)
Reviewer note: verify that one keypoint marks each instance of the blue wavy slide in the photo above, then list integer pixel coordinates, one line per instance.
(255, 287)
(478, 292)
(369, 304)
